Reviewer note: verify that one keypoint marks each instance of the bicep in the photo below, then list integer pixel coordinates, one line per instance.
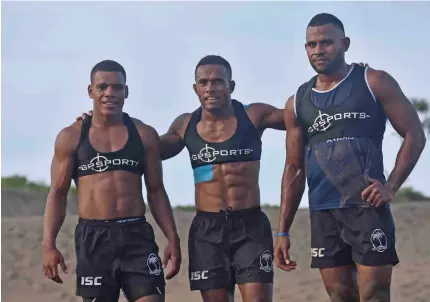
(153, 168)
(294, 142)
(62, 163)
(398, 109)
(274, 118)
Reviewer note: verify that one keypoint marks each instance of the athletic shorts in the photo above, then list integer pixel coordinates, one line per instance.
(228, 248)
(353, 235)
(114, 255)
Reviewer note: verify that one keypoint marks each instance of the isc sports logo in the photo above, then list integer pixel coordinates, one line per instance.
(323, 120)
(101, 163)
(209, 154)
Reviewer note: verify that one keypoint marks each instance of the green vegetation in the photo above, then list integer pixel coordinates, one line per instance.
(423, 108)
(21, 182)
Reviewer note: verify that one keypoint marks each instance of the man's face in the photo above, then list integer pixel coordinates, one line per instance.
(326, 46)
(108, 90)
(213, 86)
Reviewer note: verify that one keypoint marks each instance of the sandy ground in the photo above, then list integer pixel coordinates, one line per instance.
(23, 280)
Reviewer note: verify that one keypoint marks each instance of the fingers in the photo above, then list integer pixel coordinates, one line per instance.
(51, 271)
(366, 192)
(283, 261)
(63, 266)
(289, 264)
(165, 258)
(174, 270)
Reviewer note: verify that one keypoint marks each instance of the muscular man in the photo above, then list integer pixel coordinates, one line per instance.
(337, 121)
(230, 240)
(106, 155)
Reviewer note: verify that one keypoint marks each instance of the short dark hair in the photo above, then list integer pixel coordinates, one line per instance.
(215, 60)
(325, 18)
(108, 65)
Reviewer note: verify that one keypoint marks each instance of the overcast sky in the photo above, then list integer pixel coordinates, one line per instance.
(48, 50)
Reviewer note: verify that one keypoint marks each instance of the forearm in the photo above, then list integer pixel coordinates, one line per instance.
(55, 213)
(162, 212)
(293, 186)
(407, 157)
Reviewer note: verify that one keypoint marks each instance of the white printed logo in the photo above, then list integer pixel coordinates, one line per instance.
(153, 264)
(91, 281)
(100, 163)
(266, 261)
(317, 252)
(323, 120)
(209, 154)
(378, 240)
(199, 275)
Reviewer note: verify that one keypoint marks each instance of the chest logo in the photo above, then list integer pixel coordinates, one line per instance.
(208, 154)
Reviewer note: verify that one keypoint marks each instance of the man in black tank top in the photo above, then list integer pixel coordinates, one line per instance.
(230, 239)
(106, 155)
(335, 124)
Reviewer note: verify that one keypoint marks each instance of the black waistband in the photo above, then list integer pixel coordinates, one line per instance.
(230, 212)
(117, 222)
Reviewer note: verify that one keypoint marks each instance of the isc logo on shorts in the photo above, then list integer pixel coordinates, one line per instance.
(199, 275)
(317, 252)
(91, 281)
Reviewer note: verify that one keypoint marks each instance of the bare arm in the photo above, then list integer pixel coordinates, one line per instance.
(157, 197)
(405, 121)
(61, 177)
(269, 116)
(293, 179)
(172, 142)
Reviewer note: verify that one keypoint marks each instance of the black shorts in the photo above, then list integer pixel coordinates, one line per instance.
(353, 235)
(117, 254)
(228, 248)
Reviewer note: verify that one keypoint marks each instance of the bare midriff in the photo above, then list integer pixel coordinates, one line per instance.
(110, 195)
(234, 185)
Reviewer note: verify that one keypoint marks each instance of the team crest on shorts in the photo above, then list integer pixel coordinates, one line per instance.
(154, 265)
(266, 261)
(378, 240)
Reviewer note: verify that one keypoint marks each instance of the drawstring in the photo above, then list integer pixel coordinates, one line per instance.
(227, 212)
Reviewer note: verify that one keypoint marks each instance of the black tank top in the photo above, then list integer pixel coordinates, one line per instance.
(244, 145)
(353, 113)
(129, 158)
(344, 128)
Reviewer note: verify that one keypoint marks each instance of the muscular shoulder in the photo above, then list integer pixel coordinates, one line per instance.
(380, 82)
(67, 139)
(180, 123)
(260, 110)
(146, 132)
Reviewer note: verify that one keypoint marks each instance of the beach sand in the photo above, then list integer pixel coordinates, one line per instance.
(23, 280)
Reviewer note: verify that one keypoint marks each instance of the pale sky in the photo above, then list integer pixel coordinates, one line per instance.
(48, 50)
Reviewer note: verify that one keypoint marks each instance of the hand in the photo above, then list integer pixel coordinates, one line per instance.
(172, 252)
(282, 258)
(377, 194)
(361, 64)
(84, 115)
(51, 258)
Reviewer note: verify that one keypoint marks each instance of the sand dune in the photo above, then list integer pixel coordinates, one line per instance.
(23, 280)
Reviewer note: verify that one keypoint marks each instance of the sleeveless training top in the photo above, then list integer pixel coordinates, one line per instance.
(129, 158)
(244, 145)
(344, 129)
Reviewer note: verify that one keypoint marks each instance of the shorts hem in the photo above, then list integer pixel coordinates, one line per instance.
(380, 263)
(225, 286)
(330, 265)
(256, 279)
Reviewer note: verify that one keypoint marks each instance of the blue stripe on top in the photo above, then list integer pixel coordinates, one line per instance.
(203, 173)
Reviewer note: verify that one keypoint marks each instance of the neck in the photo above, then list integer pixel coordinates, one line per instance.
(335, 76)
(218, 114)
(100, 120)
